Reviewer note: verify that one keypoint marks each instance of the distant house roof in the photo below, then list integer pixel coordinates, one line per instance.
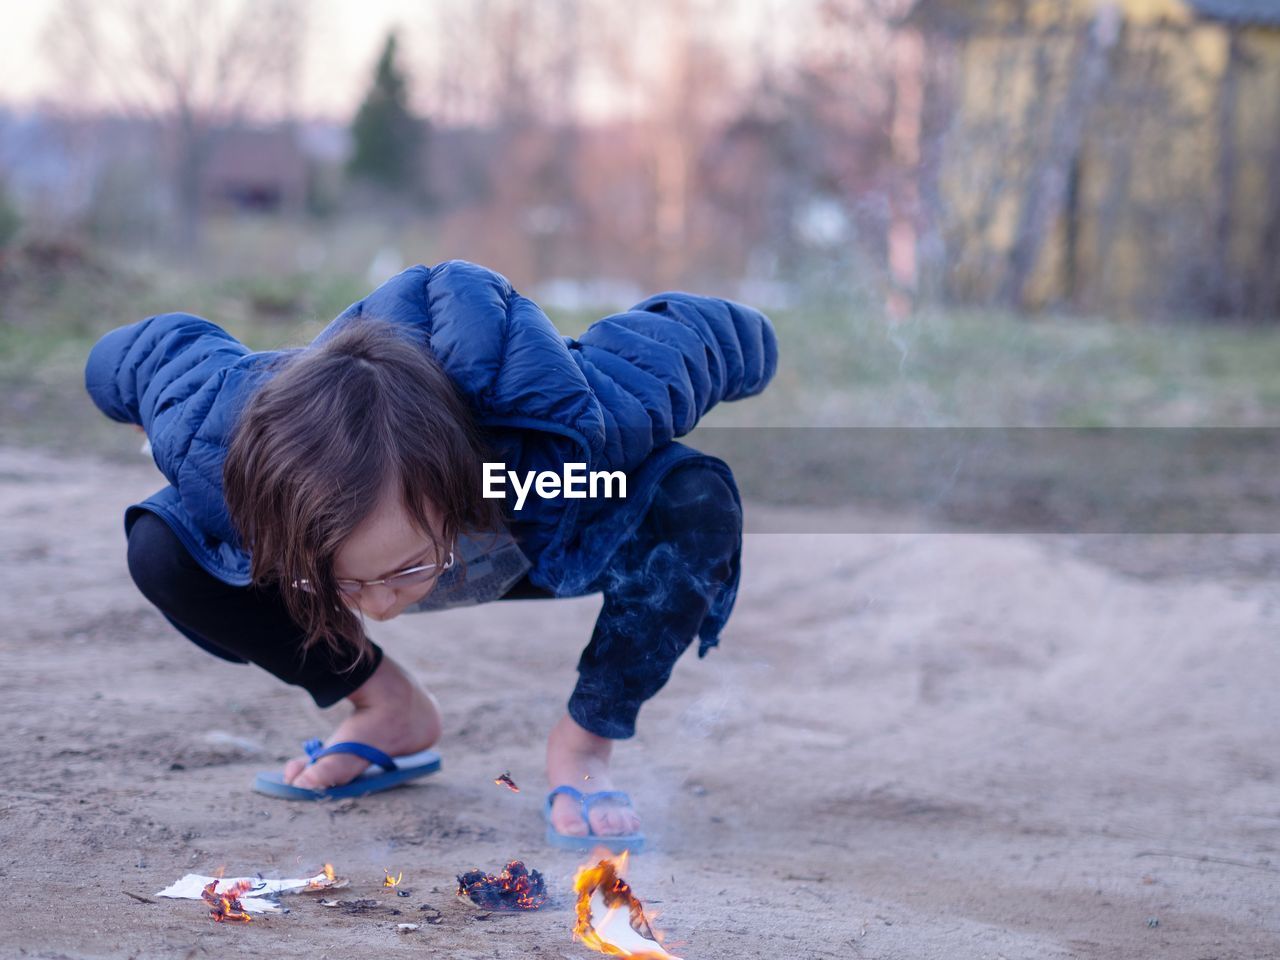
(256, 169)
(256, 154)
(1239, 11)
(960, 16)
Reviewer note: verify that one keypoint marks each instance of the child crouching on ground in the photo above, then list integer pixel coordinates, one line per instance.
(312, 488)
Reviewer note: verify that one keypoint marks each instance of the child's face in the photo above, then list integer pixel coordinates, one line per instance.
(385, 543)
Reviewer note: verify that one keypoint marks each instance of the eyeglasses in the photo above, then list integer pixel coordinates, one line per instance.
(409, 577)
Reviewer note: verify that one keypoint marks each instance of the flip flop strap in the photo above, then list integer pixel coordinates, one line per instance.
(316, 749)
(566, 791)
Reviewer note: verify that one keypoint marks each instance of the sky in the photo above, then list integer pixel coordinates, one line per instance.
(344, 39)
(346, 36)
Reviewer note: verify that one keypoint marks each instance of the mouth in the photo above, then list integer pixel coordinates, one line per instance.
(388, 614)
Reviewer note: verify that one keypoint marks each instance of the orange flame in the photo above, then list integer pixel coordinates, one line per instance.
(226, 905)
(610, 918)
(328, 881)
(506, 781)
(391, 881)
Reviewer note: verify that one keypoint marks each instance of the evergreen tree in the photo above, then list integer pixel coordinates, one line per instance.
(10, 219)
(388, 137)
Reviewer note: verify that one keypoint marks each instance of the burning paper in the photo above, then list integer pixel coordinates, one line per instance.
(516, 888)
(611, 919)
(506, 781)
(226, 906)
(254, 894)
(325, 880)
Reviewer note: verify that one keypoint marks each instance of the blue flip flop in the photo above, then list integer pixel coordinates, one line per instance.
(394, 772)
(633, 842)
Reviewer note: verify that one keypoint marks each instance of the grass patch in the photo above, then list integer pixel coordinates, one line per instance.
(966, 368)
(839, 367)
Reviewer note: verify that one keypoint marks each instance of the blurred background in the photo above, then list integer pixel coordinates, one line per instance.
(957, 213)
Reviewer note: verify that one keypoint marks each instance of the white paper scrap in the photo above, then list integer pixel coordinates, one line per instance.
(613, 926)
(253, 899)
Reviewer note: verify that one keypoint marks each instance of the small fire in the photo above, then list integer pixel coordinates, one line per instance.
(611, 919)
(506, 781)
(329, 880)
(226, 905)
(391, 881)
(516, 888)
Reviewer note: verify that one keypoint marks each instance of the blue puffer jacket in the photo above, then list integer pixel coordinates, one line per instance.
(613, 399)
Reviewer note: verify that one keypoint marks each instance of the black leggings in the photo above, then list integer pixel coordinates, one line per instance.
(657, 590)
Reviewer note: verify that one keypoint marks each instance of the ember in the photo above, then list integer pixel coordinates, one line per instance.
(506, 781)
(611, 919)
(516, 888)
(226, 905)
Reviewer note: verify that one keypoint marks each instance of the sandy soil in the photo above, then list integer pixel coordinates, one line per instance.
(908, 746)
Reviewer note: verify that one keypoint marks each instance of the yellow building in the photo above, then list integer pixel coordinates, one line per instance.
(1118, 156)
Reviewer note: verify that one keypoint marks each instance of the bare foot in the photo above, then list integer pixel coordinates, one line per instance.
(392, 712)
(579, 759)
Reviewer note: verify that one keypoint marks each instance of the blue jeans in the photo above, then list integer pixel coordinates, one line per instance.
(657, 589)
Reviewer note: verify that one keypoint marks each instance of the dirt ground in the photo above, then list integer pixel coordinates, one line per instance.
(907, 746)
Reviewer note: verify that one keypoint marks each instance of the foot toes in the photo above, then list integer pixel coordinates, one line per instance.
(614, 821)
(293, 768)
(308, 780)
(329, 772)
(567, 820)
(570, 826)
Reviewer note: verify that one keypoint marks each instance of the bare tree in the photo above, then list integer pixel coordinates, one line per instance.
(1264, 282)
(195, 68)
(503, 63)
(853, 116)
(1049, 185)
(1226, 295)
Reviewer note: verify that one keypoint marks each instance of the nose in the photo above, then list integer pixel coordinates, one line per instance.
(377, 599)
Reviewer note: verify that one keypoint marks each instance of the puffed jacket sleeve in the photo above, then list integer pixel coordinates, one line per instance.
(164, 374)
(660, 366)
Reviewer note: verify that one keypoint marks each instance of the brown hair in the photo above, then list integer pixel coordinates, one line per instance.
(320, 441)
